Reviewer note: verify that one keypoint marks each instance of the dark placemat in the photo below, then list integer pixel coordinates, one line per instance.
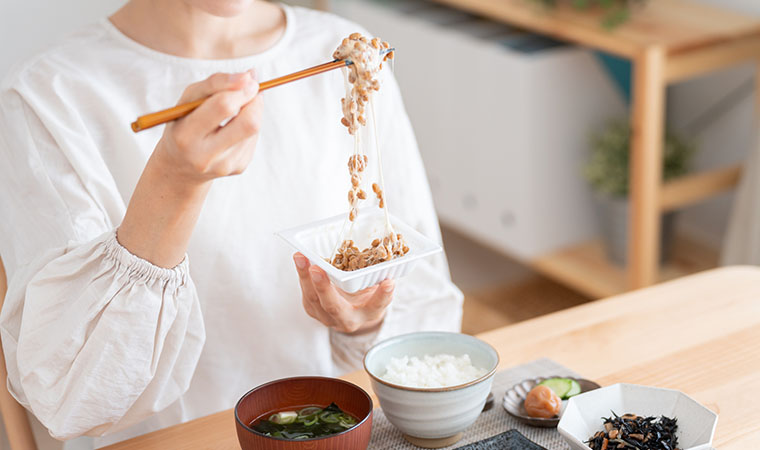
(508, 440)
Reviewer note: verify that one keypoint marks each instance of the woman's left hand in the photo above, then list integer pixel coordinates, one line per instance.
(347, 313)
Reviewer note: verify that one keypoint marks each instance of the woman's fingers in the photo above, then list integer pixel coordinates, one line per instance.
(340, 310)
(196, 147)
(324, 302)
(308, 294)
(220, 106)
(304, 278)
(215, 83)
(379, 300)
(243, 126)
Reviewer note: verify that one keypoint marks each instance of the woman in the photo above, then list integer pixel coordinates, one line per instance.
(146, 287)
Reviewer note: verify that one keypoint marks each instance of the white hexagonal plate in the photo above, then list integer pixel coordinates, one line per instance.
(582, 417)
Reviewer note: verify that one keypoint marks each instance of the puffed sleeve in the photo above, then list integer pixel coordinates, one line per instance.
(425, 299)
(96, 339)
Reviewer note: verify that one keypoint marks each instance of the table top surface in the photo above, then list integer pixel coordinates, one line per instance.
(698, 334)
(675, 25)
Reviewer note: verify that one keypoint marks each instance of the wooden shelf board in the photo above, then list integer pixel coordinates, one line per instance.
(695, 187)
(689, 64)
(585, 267)
(674, 25)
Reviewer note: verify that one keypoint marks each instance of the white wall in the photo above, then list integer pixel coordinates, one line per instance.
(725, 139)
(28, 26)
(744, 6)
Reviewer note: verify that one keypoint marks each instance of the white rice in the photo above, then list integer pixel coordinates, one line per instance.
(431, 371)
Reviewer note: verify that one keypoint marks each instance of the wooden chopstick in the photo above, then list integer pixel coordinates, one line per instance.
(174, 113)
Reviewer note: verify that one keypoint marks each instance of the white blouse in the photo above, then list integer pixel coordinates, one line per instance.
(100, 342)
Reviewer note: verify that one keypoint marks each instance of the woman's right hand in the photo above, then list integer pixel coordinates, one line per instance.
(196, 148)
(193, 151)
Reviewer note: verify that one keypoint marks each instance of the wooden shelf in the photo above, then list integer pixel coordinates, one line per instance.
(675, 25)
(667, 41)
(585, 267)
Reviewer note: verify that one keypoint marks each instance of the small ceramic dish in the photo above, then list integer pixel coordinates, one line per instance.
(515, 397)
(584, 412)
(317, 241)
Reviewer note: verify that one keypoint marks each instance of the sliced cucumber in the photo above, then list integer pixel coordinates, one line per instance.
(560, 386)
(575, 389)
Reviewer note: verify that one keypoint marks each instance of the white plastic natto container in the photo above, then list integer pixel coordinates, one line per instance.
(317, 241)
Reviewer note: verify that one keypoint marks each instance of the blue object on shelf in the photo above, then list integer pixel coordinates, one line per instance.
(619, 70)
(530, 43)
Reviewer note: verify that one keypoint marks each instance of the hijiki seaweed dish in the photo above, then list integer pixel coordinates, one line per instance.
(633, 432)
(367, 56)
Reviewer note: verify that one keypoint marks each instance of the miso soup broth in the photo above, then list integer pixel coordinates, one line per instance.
(304, 422)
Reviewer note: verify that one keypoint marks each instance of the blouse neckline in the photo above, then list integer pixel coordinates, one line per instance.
(219, 64)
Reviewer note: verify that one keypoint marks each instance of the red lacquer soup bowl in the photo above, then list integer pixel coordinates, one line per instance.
(296, 392)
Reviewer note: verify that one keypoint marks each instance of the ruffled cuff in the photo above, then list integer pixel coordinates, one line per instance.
(348, 349)
(141, 268)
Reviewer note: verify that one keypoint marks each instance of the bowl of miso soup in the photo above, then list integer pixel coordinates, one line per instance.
(313, 413)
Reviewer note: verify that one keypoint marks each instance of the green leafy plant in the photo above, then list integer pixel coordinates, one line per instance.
(607, 169)
(615, 11)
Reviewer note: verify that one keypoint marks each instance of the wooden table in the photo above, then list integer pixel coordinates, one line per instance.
(667, 41)
(699, 334)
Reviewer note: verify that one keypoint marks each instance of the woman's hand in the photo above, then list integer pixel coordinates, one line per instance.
(193, 151)
(196, 147)
(347, 313)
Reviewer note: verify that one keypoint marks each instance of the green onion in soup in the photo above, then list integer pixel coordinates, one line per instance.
(306, 423)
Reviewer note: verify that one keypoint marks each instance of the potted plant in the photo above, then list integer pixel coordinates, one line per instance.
(607, 173)
(615, 11)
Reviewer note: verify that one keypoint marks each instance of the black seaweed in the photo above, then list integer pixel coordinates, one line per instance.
(634, 432)
(332, 407)
(509, 440)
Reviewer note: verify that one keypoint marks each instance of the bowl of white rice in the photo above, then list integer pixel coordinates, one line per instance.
(432, 385)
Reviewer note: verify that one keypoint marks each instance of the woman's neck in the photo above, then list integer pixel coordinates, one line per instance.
(178, 28)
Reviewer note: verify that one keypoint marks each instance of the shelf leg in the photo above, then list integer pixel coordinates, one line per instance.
(757, 92)
(647, 126)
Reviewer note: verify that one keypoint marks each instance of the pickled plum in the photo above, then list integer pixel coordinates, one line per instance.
(542, 402)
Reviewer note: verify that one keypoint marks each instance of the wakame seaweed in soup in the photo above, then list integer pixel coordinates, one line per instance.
(306, 423)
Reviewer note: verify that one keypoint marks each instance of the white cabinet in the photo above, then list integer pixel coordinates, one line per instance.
(502, 119)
